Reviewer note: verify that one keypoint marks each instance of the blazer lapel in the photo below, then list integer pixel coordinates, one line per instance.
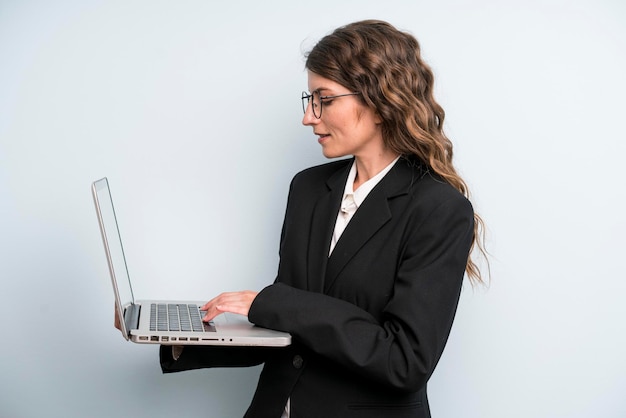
(322, 227)
(369, 218)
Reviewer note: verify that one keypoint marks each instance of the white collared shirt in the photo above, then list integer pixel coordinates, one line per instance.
(352, 199)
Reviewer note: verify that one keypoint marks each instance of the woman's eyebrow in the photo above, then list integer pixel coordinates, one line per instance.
(322, 89)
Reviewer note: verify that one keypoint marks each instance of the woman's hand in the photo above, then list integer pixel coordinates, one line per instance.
(235, 302)
(116, 321)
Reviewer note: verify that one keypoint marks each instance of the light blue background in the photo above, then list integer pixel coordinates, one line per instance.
(192, 109)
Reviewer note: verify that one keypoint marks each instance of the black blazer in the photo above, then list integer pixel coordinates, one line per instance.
(369, 323)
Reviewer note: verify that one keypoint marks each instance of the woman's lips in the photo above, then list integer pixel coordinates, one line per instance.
(322, 137)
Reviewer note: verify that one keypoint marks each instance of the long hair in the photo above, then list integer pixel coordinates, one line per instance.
(386, 67)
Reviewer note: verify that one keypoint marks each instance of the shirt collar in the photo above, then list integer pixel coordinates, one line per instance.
(364, 189)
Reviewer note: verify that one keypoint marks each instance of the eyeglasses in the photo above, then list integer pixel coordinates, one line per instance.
(318, 101)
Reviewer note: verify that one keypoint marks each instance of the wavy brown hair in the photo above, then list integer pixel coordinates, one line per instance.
(385, 65)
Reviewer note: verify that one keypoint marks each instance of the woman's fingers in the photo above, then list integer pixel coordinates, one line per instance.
(116, 321)
(235, 302)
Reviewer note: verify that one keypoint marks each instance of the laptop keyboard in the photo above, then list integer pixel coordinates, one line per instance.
(177, 317)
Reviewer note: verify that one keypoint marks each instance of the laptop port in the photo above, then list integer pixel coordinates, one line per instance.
(143, 338)
(193, 339)
(154, 338)
(165, 338)
(182, 339)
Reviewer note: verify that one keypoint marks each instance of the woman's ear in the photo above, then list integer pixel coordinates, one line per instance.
(378, 120)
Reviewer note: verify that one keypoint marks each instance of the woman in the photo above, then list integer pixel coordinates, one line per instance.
(373, 248)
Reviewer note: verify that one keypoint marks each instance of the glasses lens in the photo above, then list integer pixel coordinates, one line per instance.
(305, 100)
(314, 100)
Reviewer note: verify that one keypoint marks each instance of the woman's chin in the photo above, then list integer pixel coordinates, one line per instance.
(332, 154)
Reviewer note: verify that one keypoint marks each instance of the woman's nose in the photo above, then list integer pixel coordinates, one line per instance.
(309, 118)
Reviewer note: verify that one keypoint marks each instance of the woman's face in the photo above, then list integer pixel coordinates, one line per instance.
(346, 126)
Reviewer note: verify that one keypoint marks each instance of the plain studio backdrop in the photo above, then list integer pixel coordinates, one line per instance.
(192, 109)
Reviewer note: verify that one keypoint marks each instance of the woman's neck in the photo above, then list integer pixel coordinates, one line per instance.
(368, 167)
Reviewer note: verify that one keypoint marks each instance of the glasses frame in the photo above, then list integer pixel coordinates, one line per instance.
(306, 96)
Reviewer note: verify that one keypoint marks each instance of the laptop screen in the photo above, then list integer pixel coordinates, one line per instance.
(113, 241)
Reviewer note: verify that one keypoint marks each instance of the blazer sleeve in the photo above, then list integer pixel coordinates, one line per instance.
(199, 357)
(402, 346)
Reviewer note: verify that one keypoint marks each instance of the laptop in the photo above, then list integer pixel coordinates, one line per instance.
(168, 322)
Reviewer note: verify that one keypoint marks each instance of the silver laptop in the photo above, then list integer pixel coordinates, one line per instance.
(168, 322)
